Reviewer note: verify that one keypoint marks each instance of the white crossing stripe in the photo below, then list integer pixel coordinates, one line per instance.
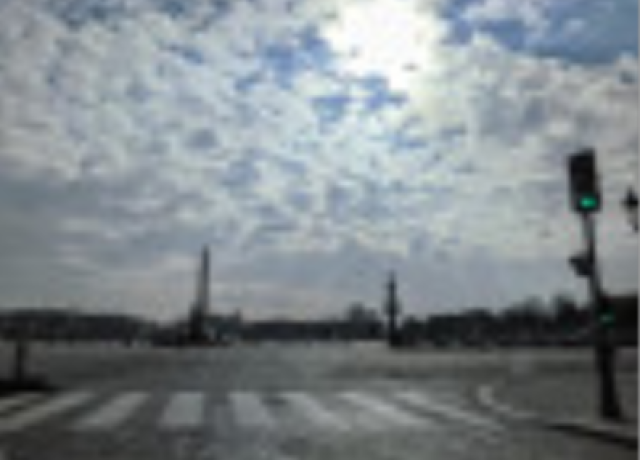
(384, 411)
(314, 411)
(7, 404)
(41, 412)
(113, 413)
(185, 410)
(249, 411)
(422, 401)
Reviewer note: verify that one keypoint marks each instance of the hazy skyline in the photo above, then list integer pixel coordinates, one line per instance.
(314, 145)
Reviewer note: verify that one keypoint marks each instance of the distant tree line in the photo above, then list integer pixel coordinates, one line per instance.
(529, 323)
(561, 321)
(70, 325)
(358, 323)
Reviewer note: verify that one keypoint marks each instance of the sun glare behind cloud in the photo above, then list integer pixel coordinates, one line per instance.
(389, 38)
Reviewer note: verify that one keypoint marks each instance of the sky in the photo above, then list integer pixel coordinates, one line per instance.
(314, 145)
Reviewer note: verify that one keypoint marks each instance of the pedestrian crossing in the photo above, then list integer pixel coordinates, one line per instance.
(184, 410)
(380, 413)
(337, 412)
(314, 412)
(54, 406)
(250, 411)
(113, 413)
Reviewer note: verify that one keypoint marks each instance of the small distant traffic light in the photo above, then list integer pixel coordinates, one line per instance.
(607, 318)
(584, 181)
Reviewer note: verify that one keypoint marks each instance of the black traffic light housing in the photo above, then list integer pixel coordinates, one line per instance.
(584, 181)
(582, 265)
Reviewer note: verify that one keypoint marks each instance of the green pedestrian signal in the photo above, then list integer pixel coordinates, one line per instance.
(607, 319)
(584, 182)
(589, 203)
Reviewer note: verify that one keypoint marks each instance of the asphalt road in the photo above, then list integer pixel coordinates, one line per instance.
(282, 402)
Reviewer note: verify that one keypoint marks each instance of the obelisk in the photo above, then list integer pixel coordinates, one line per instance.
(392, 311)
(197, 333)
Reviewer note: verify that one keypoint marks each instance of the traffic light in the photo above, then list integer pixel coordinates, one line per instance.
(607, 318)
(581, 265)
(585, 184)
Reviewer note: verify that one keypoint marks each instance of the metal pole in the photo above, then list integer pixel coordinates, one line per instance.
(20, 358)
(634, 220)
(604, 347)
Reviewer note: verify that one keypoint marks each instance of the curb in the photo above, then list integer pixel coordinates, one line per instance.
(486, 395)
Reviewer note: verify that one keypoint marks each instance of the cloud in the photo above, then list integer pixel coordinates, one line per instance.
(517, 118)
(136, 132)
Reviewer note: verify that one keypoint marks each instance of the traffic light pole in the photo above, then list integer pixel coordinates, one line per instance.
(604, 346)
(20, 357)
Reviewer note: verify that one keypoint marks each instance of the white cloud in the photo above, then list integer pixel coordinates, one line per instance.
(519, 117)
(148, 119)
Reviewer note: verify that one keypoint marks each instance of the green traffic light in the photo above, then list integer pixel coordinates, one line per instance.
(588, 202)
(607, 318)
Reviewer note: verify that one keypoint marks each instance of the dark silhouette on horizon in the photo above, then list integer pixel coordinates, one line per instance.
(559, 322)
(392, 312)
(198, 333)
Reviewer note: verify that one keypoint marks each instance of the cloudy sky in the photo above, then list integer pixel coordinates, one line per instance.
(314, 145)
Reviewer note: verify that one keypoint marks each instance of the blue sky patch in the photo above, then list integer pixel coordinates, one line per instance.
(304, 52)
(571, 31)
(331, 109)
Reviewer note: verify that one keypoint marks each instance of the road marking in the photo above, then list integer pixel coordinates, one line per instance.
(185, 410)
(113, 413)
(41, 412)
(422, 401)
(486, 396)
(384, 411)
(314, 411)
(7, 404)
(249, 411)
